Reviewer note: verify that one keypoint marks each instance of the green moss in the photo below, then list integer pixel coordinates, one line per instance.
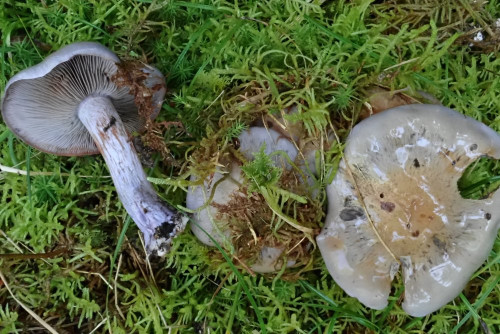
(228, 64)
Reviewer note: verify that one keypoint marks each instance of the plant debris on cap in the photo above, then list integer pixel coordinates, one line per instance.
(40, 103)
(238, 219)
(395, 203)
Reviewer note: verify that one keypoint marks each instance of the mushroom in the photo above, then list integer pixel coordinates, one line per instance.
(226, 185)
(395, 202)
(80, 101)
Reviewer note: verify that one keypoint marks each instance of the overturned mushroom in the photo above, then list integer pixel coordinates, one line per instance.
(227, 186)
(79, 102)
(395, 201)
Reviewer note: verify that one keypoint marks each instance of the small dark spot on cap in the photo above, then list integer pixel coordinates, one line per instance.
(454, 162)
(487, 216)
(408, 226)
(348, 201)
(381, 195)
(406, 264)
(473, 147)
(145, 210)
(416, 233)
(387, 206)
(351, 213)
(439, 243)
(416, 163)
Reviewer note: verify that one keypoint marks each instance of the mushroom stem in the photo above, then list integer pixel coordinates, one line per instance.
(158, 222)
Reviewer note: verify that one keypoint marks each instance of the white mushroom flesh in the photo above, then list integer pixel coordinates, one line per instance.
(400, 170)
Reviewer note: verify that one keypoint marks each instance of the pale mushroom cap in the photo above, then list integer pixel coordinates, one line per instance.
(269, 260)
(250, 142)
(406, 162)
(252, 139)
(205, 219)
(40, 103)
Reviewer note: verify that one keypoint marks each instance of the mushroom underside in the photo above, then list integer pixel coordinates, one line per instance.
(80, 100)
(33, 106)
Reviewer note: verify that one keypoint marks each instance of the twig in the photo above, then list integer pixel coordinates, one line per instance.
(27, 309)
(12, 170)
(150, 269)
(11, 241)
(362, 202)
(296, 245)
(97, 274)
(116, 290)
(99, 325)
(219, 287)
(161, 316)
(148, 263)
(47, 255)
(212, 103)
(400, 64)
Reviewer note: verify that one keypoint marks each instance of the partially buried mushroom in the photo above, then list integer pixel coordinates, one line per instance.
(81, 100)
(227, 212)
(395, 202)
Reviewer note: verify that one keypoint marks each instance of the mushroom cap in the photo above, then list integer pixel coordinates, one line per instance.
(205, 219)
(404, 163)
(227, 182)
(40, 103)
